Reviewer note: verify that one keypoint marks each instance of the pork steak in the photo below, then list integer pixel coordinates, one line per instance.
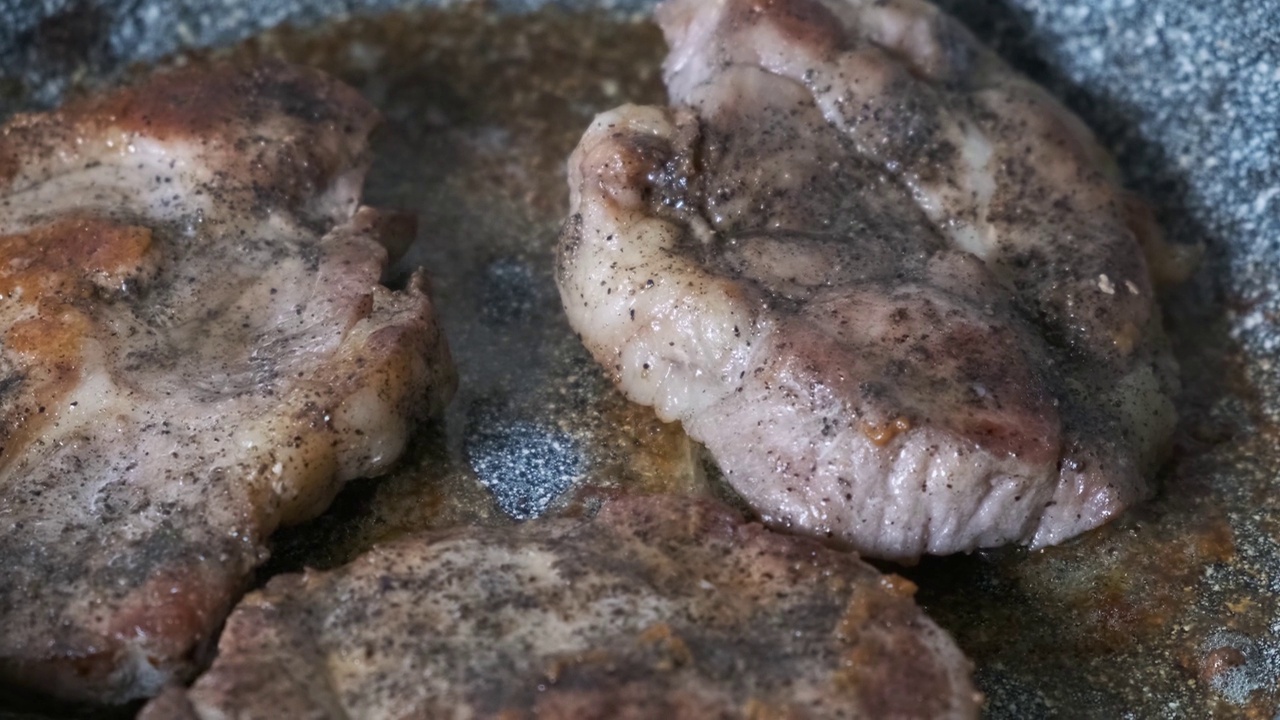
(659, 607)
(194, 349)
(895, 288)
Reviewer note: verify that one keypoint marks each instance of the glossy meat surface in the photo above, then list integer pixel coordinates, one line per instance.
(893, 287)
(194, 349)
(658, 607)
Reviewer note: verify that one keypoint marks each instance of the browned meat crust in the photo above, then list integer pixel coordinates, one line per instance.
(892, 286)
(659, 607)
(194, 349)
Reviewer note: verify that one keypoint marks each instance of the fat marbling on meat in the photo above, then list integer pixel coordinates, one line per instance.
(194, 349)
(895, 288)
(658, 607)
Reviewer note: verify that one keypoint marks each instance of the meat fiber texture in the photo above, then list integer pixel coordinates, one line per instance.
(658, 607)
(194, 349)
(895, 288)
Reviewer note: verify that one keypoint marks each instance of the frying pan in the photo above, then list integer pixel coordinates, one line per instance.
(1170, 611)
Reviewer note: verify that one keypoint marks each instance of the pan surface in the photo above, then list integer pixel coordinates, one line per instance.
(1169, 612)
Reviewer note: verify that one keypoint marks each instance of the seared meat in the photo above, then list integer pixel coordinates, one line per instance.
(659, 607)
(194, 349)
(893, 287)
